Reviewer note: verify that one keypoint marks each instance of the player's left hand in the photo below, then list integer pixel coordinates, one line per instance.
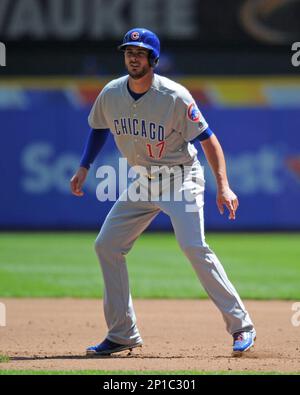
(228, 198)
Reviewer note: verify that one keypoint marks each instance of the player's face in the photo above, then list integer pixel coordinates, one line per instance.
(136, 62)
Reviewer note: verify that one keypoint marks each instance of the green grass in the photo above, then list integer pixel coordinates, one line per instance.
(4, 358)
(130, 372)
(261, 266)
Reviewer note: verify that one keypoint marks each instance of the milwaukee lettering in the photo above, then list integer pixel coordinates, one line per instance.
(93, 19)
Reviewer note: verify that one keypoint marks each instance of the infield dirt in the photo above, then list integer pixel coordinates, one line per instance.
(52, 334)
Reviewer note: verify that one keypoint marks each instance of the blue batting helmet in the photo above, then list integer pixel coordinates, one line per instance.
(144, 38)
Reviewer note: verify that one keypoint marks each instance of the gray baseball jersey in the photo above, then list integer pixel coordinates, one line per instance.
(154, 130)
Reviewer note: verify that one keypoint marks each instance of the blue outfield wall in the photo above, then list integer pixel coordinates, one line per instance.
(41, 145)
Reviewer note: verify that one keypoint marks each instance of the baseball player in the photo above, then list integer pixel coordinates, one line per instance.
(155, 122)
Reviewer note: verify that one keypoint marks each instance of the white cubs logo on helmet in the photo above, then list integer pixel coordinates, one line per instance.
(135, 35)
(193, 113)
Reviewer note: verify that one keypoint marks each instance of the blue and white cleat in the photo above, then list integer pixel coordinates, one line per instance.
(108, 347)
(243, 341)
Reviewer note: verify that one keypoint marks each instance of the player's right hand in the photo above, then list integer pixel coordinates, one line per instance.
(77, 181)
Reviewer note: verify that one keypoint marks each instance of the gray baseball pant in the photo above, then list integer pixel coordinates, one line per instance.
(123, 225)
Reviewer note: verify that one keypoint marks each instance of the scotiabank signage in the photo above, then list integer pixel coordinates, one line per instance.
(207, 22)
(261, 143)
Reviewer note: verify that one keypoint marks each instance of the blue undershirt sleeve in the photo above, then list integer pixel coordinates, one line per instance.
(93, 146)
(203, 136)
